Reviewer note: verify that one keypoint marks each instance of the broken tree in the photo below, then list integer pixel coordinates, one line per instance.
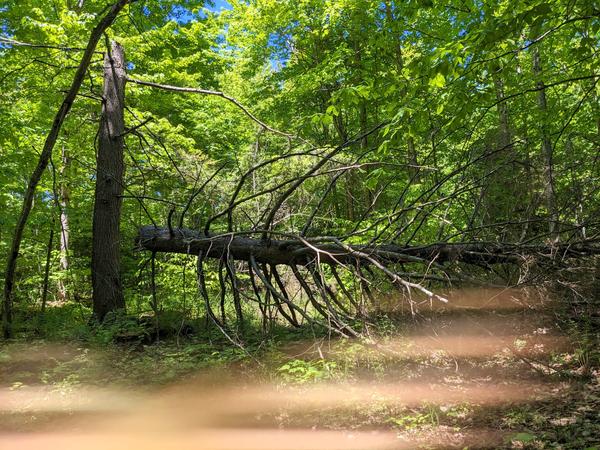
(317, 265)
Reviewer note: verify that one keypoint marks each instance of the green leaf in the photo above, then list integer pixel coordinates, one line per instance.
(438, 81)
(523, 437)
(332, 110)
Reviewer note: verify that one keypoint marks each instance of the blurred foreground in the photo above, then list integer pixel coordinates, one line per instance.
(500, 376)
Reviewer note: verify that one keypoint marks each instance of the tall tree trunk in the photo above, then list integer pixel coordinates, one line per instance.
(412, 159)
(501, 163)
(44, 159)
(547, 150)
(47, 270)
(503, 124)
(106, 278)
(338, 122)
(576, 192)
(364, 145)
(63, 202)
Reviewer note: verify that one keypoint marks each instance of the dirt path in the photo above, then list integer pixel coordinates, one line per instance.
(476, 379)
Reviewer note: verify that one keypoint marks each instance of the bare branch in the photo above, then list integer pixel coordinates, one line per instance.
(245, 110)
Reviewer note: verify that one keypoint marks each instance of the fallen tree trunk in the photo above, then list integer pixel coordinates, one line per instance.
(302, 251)
(336, 301)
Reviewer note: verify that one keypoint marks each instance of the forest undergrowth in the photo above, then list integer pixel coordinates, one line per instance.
(516, 376)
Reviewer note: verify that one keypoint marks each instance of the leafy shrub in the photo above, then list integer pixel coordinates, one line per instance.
(299, 371)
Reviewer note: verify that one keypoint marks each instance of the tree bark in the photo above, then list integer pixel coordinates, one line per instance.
(47, 270)
(296, 252)
(63, 202)
(503, 122)
(412, 160)
(106, 278)
(547, 150)
(44, 159)
(501, 164)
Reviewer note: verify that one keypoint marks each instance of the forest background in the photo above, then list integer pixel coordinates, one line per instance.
(463, 134)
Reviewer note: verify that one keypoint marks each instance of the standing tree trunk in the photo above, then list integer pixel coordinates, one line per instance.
(106, 278)
(44, 159)
(547, 150)
(63, 202)
(503, 122)
(46, 283)
(412, 158)
(500, 165)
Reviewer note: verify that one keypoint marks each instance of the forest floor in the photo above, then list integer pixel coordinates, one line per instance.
(468, 378)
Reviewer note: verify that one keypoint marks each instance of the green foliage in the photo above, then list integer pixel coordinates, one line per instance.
(450, 82)
(299, 371)
(430, 416)
(522, 437)
(118, 327)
